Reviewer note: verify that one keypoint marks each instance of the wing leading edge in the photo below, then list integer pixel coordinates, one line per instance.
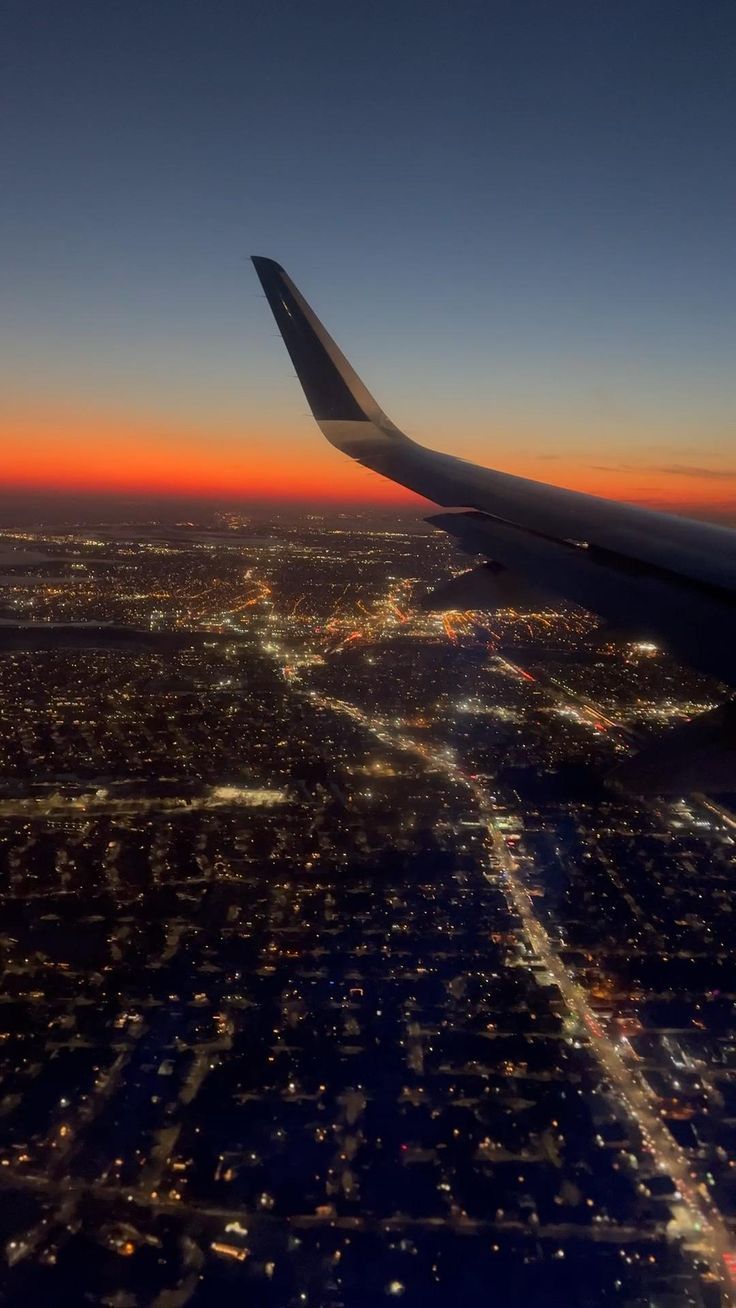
(670, 577)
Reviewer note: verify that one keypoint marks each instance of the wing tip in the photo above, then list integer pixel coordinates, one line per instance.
(333, 391)
(262, 263)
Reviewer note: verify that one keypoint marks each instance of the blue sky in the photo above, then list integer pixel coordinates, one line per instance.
(516, 217)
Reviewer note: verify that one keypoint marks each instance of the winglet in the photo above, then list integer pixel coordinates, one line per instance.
(345, 411)
(333, 389)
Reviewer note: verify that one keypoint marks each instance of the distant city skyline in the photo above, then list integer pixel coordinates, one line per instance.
(516, 218)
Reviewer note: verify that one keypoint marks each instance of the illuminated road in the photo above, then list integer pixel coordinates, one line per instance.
(711, 1238)
(725, 815)
(708, 1234)
(599, 718)
(99, 804)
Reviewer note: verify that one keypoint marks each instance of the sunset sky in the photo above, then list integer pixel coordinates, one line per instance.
(516, 217)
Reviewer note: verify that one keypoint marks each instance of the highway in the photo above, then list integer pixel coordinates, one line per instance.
(705, 1230)
(598, 718)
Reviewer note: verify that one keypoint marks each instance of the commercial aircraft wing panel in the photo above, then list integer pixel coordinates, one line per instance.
(629, 564)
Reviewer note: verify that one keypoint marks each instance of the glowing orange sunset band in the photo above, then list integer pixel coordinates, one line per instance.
(109, 454)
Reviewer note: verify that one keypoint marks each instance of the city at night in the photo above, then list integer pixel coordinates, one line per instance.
(367, 791)
(334, 967)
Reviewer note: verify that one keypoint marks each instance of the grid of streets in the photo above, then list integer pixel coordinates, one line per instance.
(334, 970)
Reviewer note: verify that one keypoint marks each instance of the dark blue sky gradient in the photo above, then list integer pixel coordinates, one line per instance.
(518, 217)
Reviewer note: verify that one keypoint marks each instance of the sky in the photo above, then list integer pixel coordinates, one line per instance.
(515, 216)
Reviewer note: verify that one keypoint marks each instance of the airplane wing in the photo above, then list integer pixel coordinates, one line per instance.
(664, 576)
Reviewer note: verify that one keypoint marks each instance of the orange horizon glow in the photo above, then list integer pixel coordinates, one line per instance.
(88, 453)
(114, 454)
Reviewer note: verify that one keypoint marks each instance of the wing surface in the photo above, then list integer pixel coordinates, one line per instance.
(667, 575)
